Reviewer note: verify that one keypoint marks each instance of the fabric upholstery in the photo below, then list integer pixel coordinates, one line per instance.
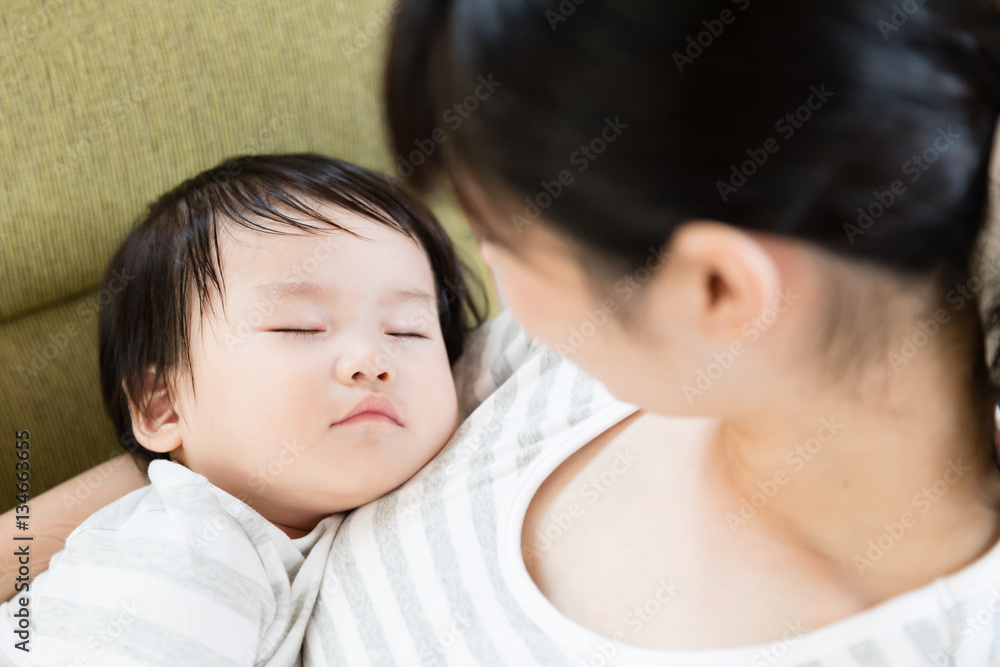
(105, 105)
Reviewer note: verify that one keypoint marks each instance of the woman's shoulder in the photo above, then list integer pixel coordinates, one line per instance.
(493, 352)
(503, 362)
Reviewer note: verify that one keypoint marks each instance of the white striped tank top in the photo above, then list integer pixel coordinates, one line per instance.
(432, 573)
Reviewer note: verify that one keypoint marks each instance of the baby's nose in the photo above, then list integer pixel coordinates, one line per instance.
(363, 363)
(362, 375)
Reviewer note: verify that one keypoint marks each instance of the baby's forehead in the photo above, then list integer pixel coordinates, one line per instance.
(357, 251)
(331, 228)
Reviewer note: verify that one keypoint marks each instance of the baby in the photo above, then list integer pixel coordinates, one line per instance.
(280, 353)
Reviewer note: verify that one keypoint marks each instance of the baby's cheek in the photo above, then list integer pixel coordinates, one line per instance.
(438, 397)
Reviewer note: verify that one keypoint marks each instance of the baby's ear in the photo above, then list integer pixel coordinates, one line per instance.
(155, 422)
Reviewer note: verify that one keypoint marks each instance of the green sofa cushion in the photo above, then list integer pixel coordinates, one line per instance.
(105, 105)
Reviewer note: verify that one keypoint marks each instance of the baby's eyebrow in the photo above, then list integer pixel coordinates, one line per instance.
(418, 296)
(287, 288)
(306, 289)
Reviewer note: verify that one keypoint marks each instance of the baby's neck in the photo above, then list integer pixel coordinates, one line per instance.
(292, 532)
(303, 527)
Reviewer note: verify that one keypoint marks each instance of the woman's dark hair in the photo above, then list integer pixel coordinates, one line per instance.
(862, 126)
(171, 261)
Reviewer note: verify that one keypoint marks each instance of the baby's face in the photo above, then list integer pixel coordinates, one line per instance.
(314, 325)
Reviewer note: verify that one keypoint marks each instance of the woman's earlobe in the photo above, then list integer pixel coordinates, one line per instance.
(155, 421)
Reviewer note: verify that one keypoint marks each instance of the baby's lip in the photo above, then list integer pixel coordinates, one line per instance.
(374, 403)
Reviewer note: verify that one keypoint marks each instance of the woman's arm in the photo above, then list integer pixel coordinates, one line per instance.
(55, 513)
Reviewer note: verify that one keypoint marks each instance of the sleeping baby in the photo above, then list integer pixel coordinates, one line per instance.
(280, 353)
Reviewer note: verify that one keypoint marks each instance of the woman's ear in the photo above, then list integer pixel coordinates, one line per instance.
(155, 422)
(727, 275)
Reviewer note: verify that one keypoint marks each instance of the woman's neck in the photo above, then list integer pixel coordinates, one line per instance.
(891, 491)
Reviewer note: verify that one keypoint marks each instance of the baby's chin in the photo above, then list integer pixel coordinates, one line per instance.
(305, 482)
(302, 509)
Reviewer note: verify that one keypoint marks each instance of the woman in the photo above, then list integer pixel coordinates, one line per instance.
(761, 220)
(817, 176)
